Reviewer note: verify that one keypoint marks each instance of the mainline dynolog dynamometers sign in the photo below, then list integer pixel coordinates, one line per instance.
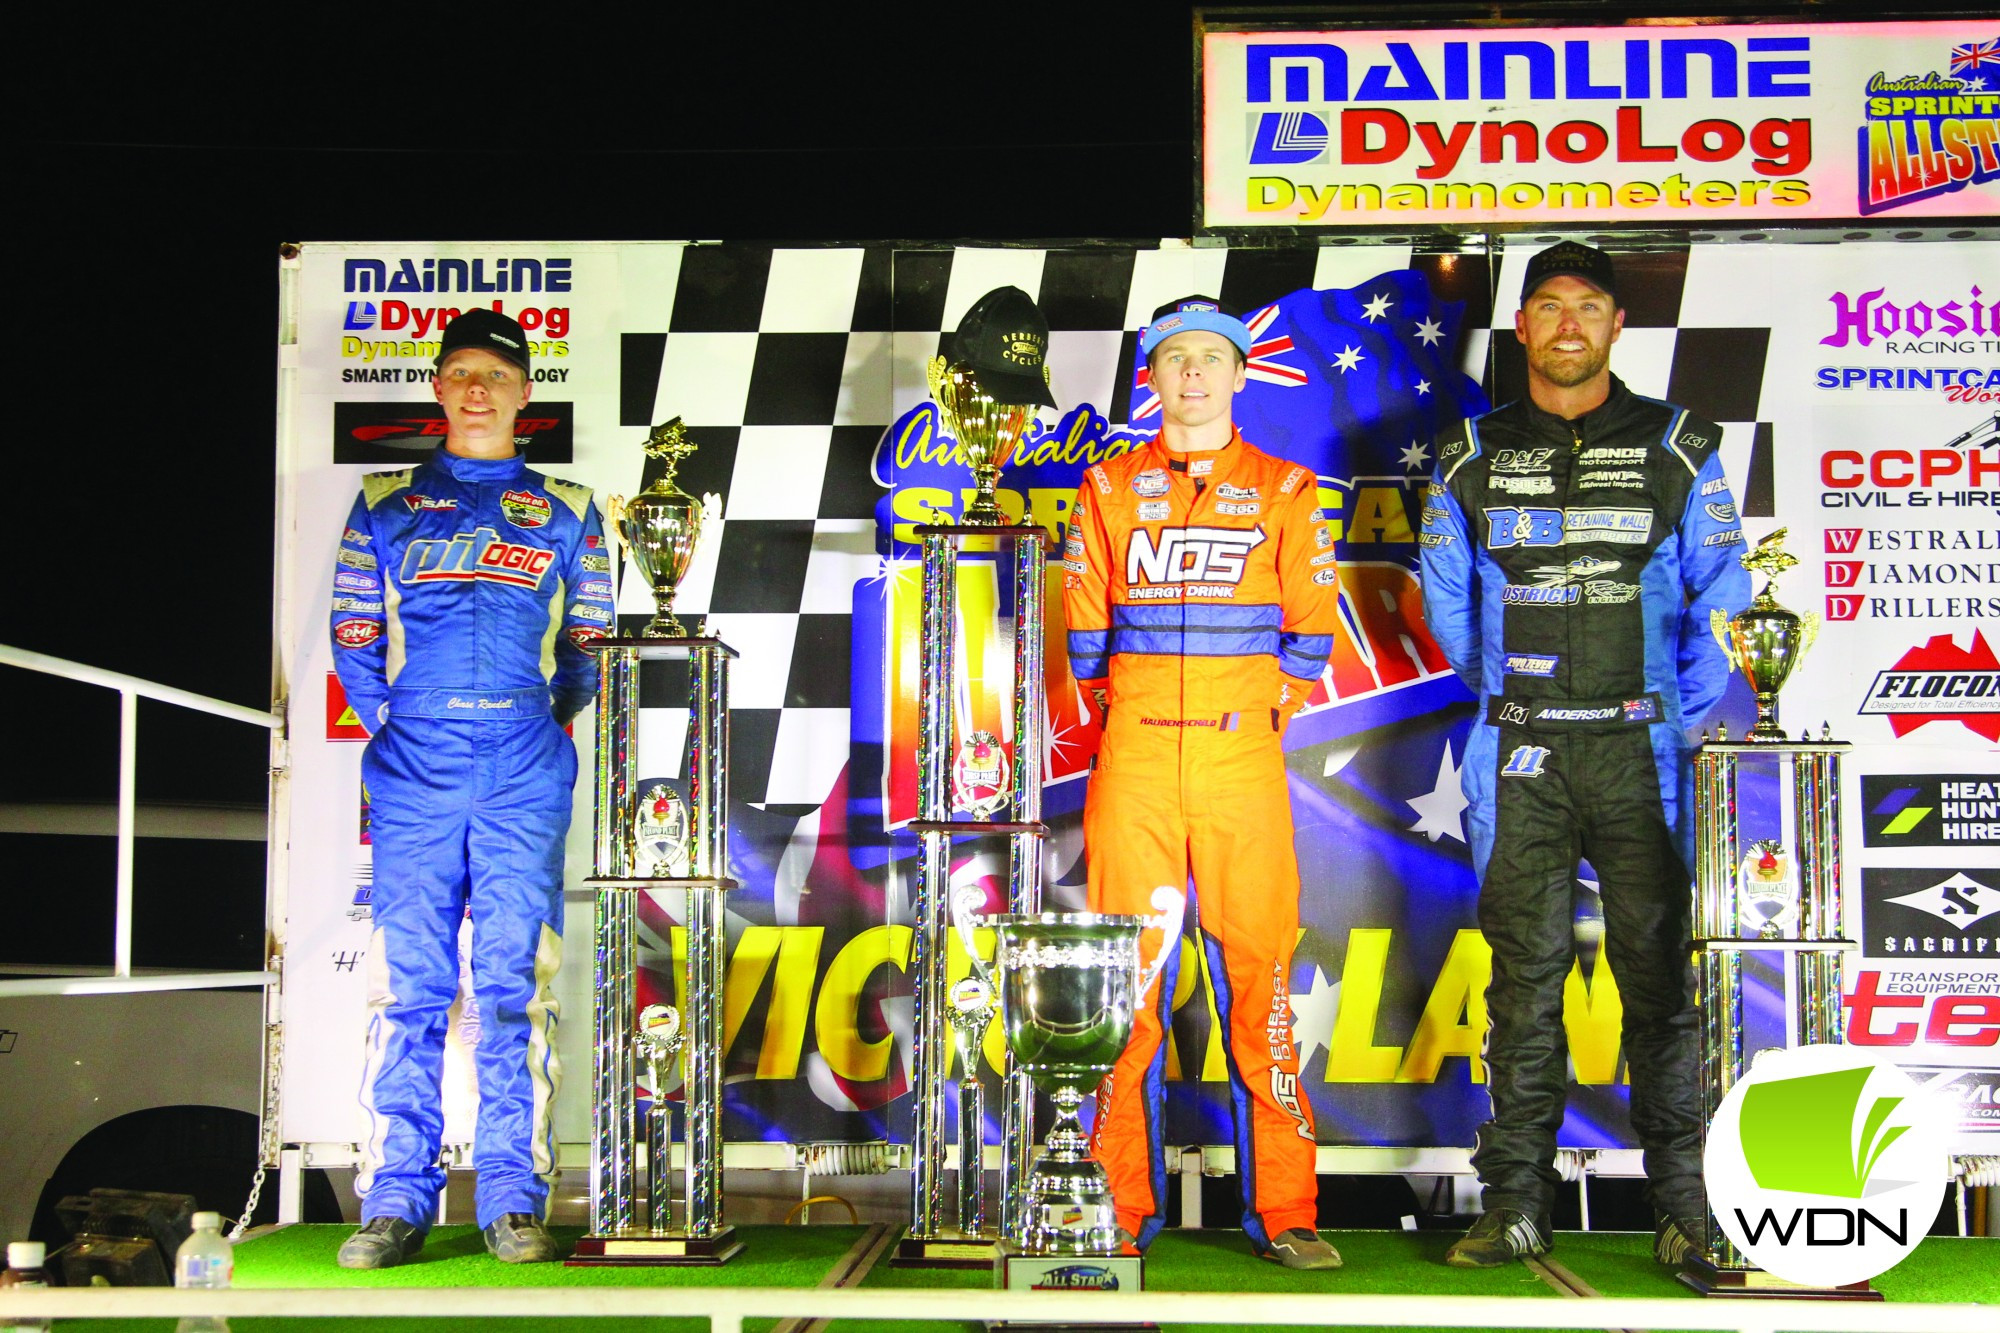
(1660, 127)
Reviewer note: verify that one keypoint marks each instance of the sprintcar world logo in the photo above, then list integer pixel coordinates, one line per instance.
(476, 555)
(1190, 555)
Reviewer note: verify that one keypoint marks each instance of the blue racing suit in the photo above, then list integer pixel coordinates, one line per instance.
(465, 597)
(1569, 568)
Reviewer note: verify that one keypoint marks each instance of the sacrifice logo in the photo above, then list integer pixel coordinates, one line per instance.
(476, 555)
(1905, 912)
(1940, 682)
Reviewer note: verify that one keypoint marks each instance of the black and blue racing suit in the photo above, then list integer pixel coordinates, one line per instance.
(465, 597)
(1569, 568)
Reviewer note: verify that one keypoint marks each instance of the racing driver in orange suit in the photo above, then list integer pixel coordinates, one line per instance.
(1200, 591)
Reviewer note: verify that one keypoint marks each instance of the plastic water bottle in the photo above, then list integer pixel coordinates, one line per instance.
(24, 1269)
(204, 1262)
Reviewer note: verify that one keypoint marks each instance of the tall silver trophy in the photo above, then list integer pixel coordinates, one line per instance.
(979, 774)
(1070, 984)
(1768, 918)
(649, 841)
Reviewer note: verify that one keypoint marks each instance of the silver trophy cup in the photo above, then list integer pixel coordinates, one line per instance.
(1070, 983)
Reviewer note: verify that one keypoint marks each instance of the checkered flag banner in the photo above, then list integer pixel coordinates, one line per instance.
(798, 371)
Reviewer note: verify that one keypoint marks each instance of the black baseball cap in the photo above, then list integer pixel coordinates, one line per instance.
(486, 329)
(1005, 338)
(1578, 261)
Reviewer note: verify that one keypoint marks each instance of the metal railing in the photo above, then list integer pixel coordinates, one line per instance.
(122, 976)
(727, 1307)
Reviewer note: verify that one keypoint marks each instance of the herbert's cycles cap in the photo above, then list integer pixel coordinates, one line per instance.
(486, 329)
(1004, 338)
(1578, 261)
(1187, 315)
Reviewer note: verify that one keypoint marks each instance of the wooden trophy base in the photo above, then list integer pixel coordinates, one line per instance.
(647, 1250)
(947, 1249)
(1756, 1284)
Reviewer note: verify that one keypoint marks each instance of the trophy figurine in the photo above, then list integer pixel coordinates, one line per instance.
(971, 1012)
(659, 1041)
(660, 527)
(1764, 639)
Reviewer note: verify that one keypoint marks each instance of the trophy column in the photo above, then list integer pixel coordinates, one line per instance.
(955, 798)
(1767, 902)
(616, 1236)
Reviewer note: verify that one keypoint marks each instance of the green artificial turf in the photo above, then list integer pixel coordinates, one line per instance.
(1944, 1269)
(1619, 1263)
(454, 1256)
(1378, 1262)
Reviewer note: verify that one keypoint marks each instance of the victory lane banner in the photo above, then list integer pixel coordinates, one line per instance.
(1651, 127)
(798, 372)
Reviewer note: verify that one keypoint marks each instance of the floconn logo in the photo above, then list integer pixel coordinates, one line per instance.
(1825, 1165)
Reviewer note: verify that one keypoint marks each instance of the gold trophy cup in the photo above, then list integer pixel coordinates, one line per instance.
(1764, 640)
(660, 527)
(987, 432)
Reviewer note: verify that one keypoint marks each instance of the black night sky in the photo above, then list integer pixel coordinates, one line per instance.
(162, 158)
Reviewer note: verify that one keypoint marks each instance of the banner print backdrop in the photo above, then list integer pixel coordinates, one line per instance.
(800, 375)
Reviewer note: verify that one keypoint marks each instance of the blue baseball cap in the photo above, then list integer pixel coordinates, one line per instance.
(1187, 315)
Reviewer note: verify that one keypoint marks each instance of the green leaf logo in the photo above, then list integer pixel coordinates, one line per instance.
(1810, 1136)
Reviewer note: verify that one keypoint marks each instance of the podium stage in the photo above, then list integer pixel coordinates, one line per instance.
(1607, 1269)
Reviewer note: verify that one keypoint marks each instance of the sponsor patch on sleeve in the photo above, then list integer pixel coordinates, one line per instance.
(356, 633)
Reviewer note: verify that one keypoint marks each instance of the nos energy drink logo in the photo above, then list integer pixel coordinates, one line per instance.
(1825, 1165)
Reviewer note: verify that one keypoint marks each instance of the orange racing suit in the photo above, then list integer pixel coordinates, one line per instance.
(1201, 596)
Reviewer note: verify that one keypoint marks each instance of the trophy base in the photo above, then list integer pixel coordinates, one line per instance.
(648, 1250)
(947, 1249)
(1020, 1271)
(1754, 1283)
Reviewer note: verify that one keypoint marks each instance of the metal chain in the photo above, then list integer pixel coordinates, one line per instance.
(267, 1129)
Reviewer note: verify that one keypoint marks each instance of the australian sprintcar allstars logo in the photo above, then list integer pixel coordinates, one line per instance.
(1938, 681)
(1927, 134)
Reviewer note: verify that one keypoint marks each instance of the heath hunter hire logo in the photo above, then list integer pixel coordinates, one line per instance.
(1825, 1164)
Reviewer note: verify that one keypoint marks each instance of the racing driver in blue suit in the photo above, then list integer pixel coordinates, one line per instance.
(1574, 545)
(466, 594)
